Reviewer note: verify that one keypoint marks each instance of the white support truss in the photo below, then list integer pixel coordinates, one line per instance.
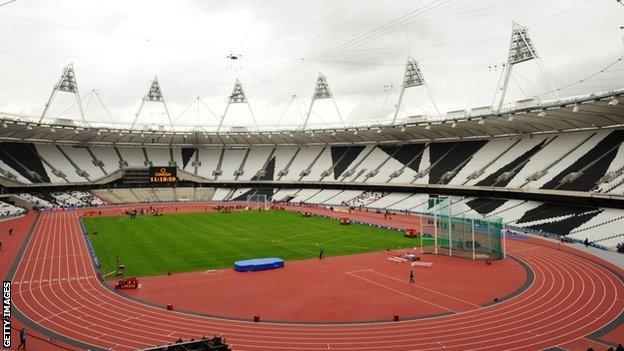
(67, 84)
(153, 95)
(237, 97)
(321, 91)
(521, 49)
(413, 77)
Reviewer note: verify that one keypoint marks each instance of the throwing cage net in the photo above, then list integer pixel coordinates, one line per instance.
(448, 229)
(258, 201)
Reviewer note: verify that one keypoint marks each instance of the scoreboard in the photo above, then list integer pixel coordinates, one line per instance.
(163, 174)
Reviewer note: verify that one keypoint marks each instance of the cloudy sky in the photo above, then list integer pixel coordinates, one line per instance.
(361, 46)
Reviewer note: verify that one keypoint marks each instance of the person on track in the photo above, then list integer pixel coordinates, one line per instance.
(10, 231)
(321, 254)
(22, 337)
(412, 277)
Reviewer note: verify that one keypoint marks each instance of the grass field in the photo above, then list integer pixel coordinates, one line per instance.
(189, 242)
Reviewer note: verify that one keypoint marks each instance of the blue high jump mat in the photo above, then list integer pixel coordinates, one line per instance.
(258, 264)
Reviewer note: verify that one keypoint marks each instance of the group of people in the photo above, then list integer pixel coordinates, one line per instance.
(154, 211)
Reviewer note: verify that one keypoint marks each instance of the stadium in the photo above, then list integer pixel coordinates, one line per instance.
(426, 184)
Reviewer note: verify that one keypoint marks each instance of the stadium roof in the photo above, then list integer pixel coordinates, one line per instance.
(529, 117)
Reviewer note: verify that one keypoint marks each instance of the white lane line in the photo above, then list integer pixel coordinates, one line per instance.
(59, 313)
(358, 270)
(404, 294)
(422, 287)
(526, 249)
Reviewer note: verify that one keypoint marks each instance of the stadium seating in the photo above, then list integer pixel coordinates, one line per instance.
(284, 194)
(323, 196)
(342, 197)
(36, 201)
(587, 161)
(304, 194)
(74, 199)
(9, 210)
(255, 161)
(582, 161)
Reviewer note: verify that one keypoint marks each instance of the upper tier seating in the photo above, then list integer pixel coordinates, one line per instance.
(583, 161)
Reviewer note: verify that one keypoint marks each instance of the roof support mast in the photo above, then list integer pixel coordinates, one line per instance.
(153, 95)
(237, 97)
(521, 49)
(413, 78)
(321, 91)
(68, 84)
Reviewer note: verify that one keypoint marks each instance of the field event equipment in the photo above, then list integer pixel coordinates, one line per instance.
(448, 228)
(258, 264)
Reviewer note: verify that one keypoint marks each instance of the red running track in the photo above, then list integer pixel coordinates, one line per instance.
(56, 287)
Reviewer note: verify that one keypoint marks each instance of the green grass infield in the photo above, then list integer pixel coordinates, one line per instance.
(151, 245)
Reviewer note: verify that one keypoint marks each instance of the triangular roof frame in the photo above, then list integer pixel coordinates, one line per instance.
(521, 49)
(154, 94)
(413, 78)
(237, 96)
(68, 84)
(321, 91)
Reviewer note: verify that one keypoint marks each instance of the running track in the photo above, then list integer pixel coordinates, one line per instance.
(55, 286)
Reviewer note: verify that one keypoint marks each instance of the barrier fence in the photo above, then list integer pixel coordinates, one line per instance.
(456, 234)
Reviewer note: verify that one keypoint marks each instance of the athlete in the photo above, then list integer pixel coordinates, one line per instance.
(22, 336)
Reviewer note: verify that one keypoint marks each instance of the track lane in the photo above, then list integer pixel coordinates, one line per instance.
(83, 309)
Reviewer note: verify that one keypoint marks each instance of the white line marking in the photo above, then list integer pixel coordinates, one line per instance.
(433, 291)
(404, 294)
(526, 249)
(357, 271)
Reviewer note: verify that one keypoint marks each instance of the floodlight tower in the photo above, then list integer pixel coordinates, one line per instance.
(321, 91)
(237, 97)
(67, 84)
(521, 49)
(153, 95)
(413, 77)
